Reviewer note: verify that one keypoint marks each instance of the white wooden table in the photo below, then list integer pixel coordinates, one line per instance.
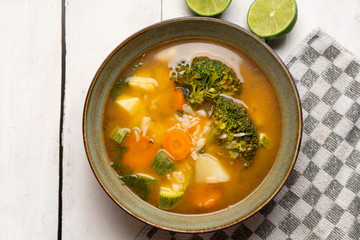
(49, 52)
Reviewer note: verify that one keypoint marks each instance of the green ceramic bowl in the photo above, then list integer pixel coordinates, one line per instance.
(187, 28)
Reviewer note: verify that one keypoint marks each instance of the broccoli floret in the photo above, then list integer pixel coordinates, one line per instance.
(206, 79)
(212, 80)
(234, 129)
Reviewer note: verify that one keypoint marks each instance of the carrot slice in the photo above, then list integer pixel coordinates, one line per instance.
(140, 152)
(179, 100)
(207, 197)
(177, 142)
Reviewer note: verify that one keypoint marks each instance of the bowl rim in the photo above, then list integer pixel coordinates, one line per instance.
(205, 19)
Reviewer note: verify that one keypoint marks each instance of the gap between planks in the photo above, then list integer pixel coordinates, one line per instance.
(62, 102)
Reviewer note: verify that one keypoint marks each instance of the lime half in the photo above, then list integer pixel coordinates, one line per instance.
(272, 19)
(208, 7)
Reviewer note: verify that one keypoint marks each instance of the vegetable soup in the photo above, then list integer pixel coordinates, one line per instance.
(192, 126)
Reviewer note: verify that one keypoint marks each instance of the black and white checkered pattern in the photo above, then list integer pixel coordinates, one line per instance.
(321, 199)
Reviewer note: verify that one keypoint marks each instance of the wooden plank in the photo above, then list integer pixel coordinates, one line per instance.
(236, 12)
(339, 19)
(30, 87)
(93, 30)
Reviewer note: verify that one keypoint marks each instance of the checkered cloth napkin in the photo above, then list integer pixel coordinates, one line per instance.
(321, 199)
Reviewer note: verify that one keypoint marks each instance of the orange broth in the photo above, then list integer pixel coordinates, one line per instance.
(258, 97)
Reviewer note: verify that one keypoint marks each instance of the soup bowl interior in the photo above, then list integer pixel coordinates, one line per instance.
(192, 28)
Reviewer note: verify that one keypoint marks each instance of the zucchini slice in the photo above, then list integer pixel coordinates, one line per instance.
(119, 135)
(141, 183)
(169, 198)
(163, 164)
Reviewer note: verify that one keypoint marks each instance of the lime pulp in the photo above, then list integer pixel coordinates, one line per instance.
(272, 19)
(208, 7)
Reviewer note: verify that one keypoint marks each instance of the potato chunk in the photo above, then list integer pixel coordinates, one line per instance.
(208, 169)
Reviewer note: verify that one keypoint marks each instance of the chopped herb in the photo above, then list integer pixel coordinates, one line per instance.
(248, 164)
(264, 141)
(138, 64)
(180, 113)
(202, 150)
(115, 90)
(185, 92)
